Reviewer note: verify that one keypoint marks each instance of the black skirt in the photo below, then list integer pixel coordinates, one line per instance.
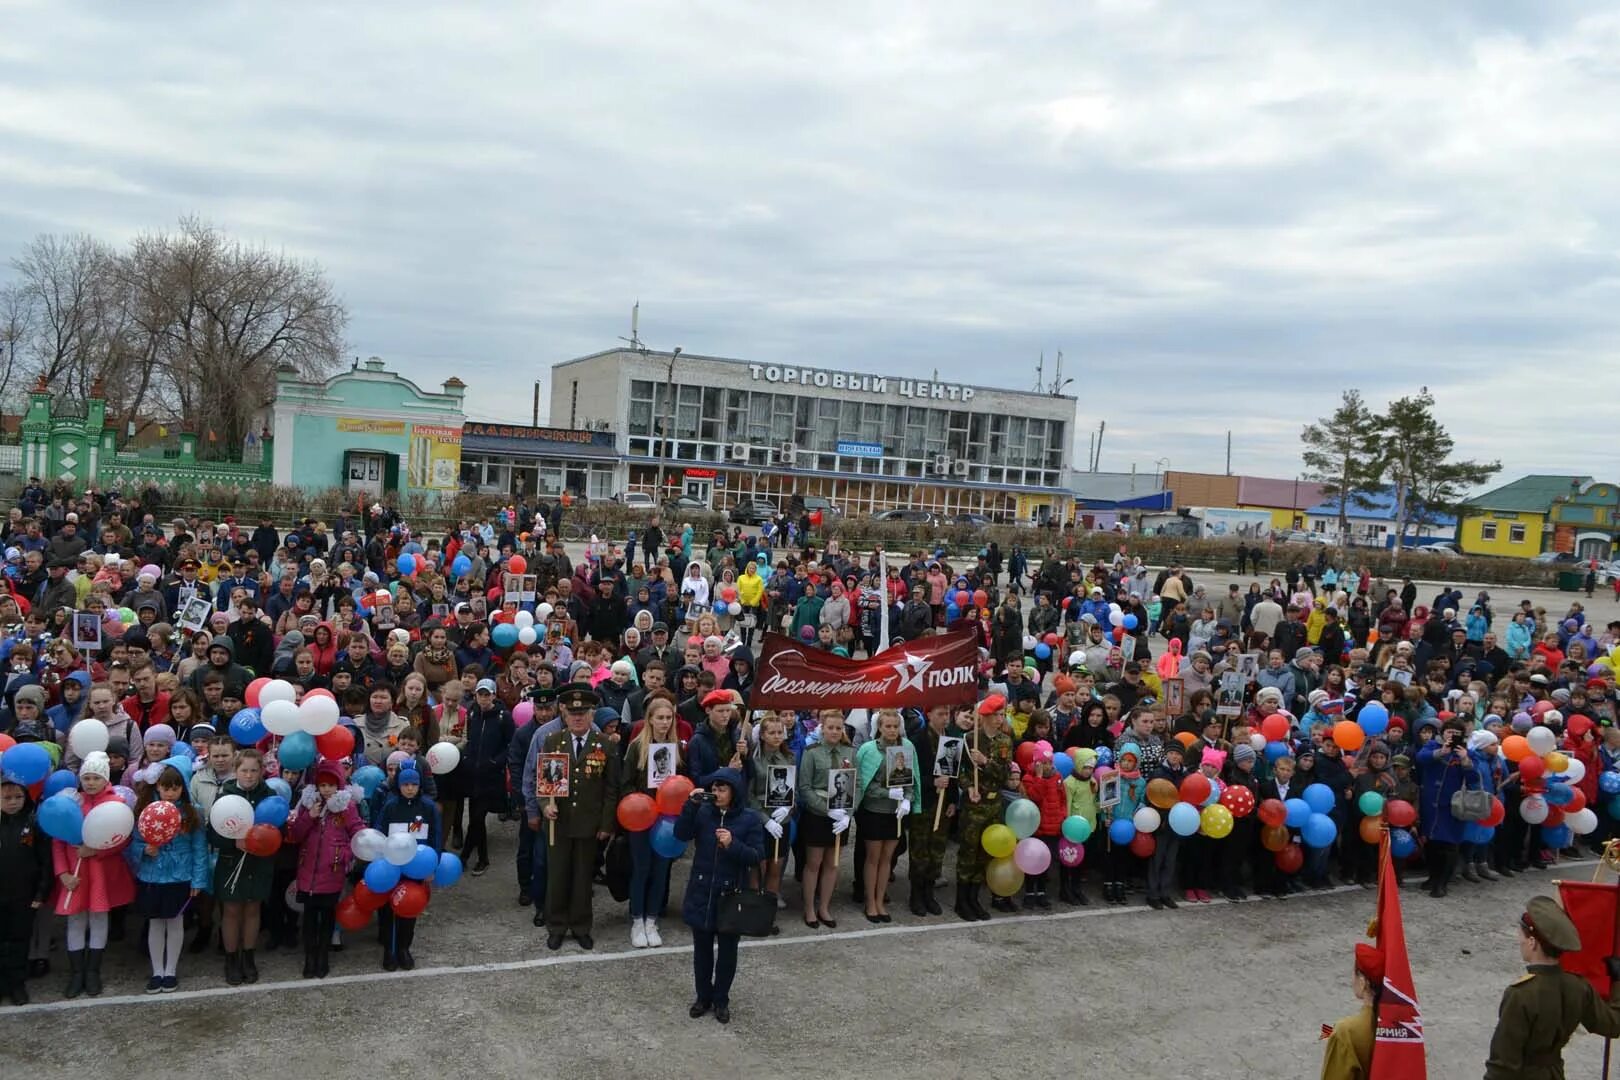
(876, 826)
(162, 900)
(815, 829)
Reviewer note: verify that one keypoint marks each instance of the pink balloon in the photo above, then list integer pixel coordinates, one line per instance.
(1070, 853)
(1032, 856)
(522, 712)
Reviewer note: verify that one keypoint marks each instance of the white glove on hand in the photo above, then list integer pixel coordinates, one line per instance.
(780, 814)
(840, 824)
(838, 815)
(905, 807)
(774, 827)
(897, 793)
(307, 797)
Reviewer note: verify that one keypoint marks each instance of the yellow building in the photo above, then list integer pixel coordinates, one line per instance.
(1512, 520)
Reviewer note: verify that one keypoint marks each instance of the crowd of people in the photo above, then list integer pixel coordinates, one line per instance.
(579, 698)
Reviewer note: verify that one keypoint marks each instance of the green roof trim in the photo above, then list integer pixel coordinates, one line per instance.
(1533, 494)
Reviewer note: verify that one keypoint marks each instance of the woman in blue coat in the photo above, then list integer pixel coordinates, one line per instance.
(730, 843)
(1444, 765)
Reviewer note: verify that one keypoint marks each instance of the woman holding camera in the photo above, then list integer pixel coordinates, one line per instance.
(1444, 766)
(729, 843)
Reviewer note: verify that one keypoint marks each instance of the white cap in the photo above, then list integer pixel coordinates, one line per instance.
(96, 763)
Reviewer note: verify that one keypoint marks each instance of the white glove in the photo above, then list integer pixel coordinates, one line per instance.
(838, 815)
(774, 827)
(897, 793)
(307, 798)
(840, 824)
(905, 807)
(780, 814)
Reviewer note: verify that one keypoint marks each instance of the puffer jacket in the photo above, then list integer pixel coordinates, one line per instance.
(717, 870)
(323, 839)
(185, 858)
(1047, 792)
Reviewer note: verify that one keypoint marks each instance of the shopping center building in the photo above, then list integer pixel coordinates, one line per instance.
(865, 441)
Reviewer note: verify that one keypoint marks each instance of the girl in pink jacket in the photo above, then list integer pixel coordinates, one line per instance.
(90, 883)
(322, 826)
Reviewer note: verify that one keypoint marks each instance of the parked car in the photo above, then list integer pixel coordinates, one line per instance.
(752, 512)
(1449, 550)
(636, 500)
(686, 504)
(1301, 536)
(971, 521)
(802, 505)
(905, 516)
(1547, 558)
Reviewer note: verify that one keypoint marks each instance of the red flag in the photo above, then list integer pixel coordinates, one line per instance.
(938, 670)
(1591, 907)
(1398, 1040)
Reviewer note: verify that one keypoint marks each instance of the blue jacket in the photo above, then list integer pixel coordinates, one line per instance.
(717, 870)
(185, 858)
(1518, 641)
(1439, 778)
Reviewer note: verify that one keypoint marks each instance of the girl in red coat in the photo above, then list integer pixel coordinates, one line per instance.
(322, 826)
(1044, 787)
(90, 883)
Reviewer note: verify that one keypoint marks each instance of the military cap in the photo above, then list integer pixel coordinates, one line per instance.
(1547, 921)
(579, 697)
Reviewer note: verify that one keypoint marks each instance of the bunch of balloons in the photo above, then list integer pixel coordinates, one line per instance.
(400, 873)
(1550, 780)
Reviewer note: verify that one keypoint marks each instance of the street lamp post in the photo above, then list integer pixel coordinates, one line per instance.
(669, 421)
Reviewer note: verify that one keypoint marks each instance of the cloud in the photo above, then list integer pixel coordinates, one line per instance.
(1223, 217)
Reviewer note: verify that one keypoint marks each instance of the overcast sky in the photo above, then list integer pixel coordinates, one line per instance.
(1222, 214)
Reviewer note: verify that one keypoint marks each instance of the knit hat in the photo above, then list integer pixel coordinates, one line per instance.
(409, 776)
(623, 667)
(1063, 684)
(160, 733)
(1242, 752)
(118, 746)
(1268, 693)
(33, 693)
(1482, 741)
(96, 764)
(202, 727)
(1214, 757)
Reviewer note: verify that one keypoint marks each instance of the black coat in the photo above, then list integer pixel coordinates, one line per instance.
(25, 858)
(489, 734)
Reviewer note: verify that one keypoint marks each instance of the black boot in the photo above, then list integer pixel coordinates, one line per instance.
(250, 971)
(1077, 894)
(917, 906)
(19, 991)
(407, 935)
(929, 901)
(975, 904)
(233, 968)
(964, 910)
(309, 955)
(75, 985)
(200, 942)
(92, 972)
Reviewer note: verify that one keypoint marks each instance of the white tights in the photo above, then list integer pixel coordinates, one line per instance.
(164, 940)
(95, 922)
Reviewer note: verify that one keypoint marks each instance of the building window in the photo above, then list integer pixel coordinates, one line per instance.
(1515, 534)
(1487, 531)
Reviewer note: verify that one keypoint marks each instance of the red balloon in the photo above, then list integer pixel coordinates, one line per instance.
(815, 518)
(1400, 813)
(159, 822)
(1290, 859)
(1119, 634)
(1577, 803)
(319, 691)
(368, 900)
(1272, 812)
(1050, 639)
(1555, 817)
(253, 689)
(262, 840)
(672, 794)
(1531, 768)
(517, 564)
(1498, 812)
(6, 742)
(409, 899)
(1275, 727)
(1065, 604)
(352, 916)
(1239, 800)
(1142, 845)
(336, 744)
(637, 812)
(1195, 788)
(1025, 755)
(980, 598)
(1541, 708)
(420, 560)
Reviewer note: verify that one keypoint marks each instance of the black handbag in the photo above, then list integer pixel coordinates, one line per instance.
(616, 867)
(748, 912)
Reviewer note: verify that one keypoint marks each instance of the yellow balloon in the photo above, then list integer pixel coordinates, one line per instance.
(1557, 762)
(1003, 877)
(998, 841)
(1215, 821)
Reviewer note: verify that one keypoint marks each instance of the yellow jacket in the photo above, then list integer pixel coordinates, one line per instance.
(750, 589)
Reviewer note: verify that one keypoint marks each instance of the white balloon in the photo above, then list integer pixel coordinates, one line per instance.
(528, 635)
(1116, 618)
(231, 816)
(1258, 742)
(87, 736)
(108, 825)
(280, 717)
(317, 715)
(543, 612)
(1533, 809)
(443, 757)
(1146, 819)
(1574, 772)
(368, 845)
(735, 608)
(1581, 822)
(399, 848)
(523, 619)
(1542, 740)
(290, 897)
(277, 690)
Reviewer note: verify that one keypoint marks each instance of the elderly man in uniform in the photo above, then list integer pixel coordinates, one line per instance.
(580, 820)
(1543, 1008)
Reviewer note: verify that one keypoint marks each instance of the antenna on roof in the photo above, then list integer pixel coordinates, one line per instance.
(634, 340)
(1040, 373)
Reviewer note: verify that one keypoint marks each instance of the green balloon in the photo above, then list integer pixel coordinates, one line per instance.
(1371, 803)
(126, 616)
(1023, 818)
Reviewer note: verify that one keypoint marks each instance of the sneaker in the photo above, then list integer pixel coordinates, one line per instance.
(1204, 897)
(638, 934)
(1191, 896)
(154, 985)
(170, 984)
(480, 869)
(654, 941)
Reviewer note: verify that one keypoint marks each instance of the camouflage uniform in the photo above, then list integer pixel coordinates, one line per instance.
(977, 817)
(926, 843)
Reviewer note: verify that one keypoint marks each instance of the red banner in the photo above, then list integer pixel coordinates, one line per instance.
(1591, 907)
(940, 670)
(1398, 1027)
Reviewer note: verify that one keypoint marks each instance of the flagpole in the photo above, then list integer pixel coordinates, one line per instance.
(883, 600)
(1614, 940)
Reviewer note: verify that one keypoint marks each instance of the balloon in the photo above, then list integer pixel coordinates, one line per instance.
(1032, 856)
(278, 717)
(246, 729)
(1348, 735)
(1581, 822)
(1184, 819)
(999, 841)
(1214, 796)
(1531, 768)
(1558, 794)
(29, 763)
(1497, 815)
(1215, 821)
(272, 811)
(368, 898)
(280, 787)
(126, 794)
(1371, 829)
(1557, 762)
(1003, 877)
(1299, 812)
(62, 818)
(368, 845)
(298, 749)
(1142, 844)
(1029, 642)
(1318, 831)
(1574, 769)
(522, 713)
(1401, 843)
(443, 757)
(528, 635)
(636, 812)
(262, 840)
(1195, 788)
(382, 875)
(231, 816)
(664, 840)
(1515, 748)
(1557, 837)
(1533, 809)
(369, 778)
(672, 795)
(86, 737)
(980, 598)
(1273, 837)
(1121, 831)
(1275, 750)
(1161, 793)
(1373, 718)
(1238, 800)
(1272, 812)
(64, 780)
(461, 566)
(1025, 756)
(1542, 740)
(1071, 854)
(253, 690)
(1076, 829)
(277, 690)
(1319, 797)
(447, 871)
(517, 564)
(504, 635)
(409, 899)
(399, 848)
(318, 715)
(1274, 727)
(107, 825)
(1146, 819)
(1116, 619)
(350, 915)
(1043, 651)
(1023, 817)
(1608, 783)
(422, 864)
(336, 744)
(1290, 859)
(1129, 622)
(1064, 764)
(1371, 803)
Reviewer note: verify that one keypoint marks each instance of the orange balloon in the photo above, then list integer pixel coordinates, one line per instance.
(1348, 735)
(1372, 829)
(1162, 793)
(1273, 837)
(517, 564)
(1515, 747)
(1372, 636)
(672, 794)
(1186, 738)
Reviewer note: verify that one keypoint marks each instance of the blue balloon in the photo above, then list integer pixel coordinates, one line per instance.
(1559, 794)
(1318, 831)
(1299, 812)
(1373, 718)
(369, 778)
(1558, 837)
(1319, 797)
(246, 728)
(1064, 764)
(405, 565)
(62, 818)
(1105, 756)
(422, 864)
(664, 840)
(381, 876)
(60, 780)
(280, 787)
(1475, 833)
(1130, 622)
(1609, 783)
(1401, 843)
(272, 811)
(1122, 830)
(1043, 651)
(1183, 819)
(504, 635)
(952, 612)
(448, 871)
(297, 751)
(26, 764)
(461, 567)
(1276, 749)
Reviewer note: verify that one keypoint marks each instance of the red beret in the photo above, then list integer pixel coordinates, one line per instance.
(719, 697)
(1370, 962)
(992, 704)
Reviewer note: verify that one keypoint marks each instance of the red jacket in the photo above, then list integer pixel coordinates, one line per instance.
(1047, 793)
(147, 715)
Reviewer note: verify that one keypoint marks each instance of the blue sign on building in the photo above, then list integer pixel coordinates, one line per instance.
(861, 449)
